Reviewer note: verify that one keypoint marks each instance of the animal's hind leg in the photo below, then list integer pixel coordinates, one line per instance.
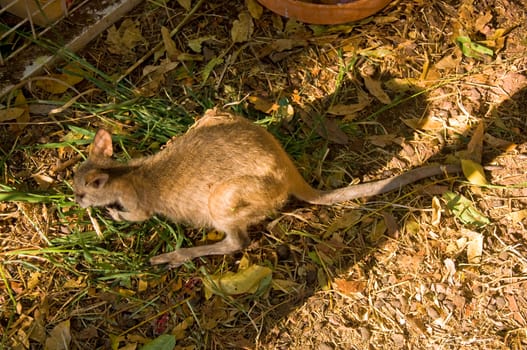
(233, 206)
(232, 242)
(237, 203)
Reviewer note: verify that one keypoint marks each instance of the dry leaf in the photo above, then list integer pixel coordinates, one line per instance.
(179, 331)
(474, 246)
(123, 40)
(325, 127)
(44, 181)
(350, 110)
(381, 140)
(378, 230)
(475, 145)
(517, 216)
(280, 45)
(411, 262)
(473, 172)
(263, 105)
(427, 123)
(10, 113)
(20, 102)
(186, 4)
(348, 219)
(156, 76)
(401, 85)
(436, 211)
(350, 287)
(482, 21)
(196, 44)
(392, 227)
(451, 269)
(448, 62)
(59, 337)
(170, 45)
(242, 28)
(285, 285)
(375, 88)
(255, 9)
(72, 75)
(496, 142)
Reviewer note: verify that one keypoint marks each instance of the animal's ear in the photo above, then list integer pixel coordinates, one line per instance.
(96, 179)
(102, 144)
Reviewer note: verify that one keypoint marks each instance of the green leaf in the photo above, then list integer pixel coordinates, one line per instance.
(209, 67)
(196, 44)
(472, 49)
(163, 342)
(14, 196)
(464, 209)
(247, 280)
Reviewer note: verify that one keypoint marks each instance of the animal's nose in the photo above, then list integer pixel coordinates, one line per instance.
(79, 197)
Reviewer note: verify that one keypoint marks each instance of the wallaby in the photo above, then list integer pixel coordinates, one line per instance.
(225, 172)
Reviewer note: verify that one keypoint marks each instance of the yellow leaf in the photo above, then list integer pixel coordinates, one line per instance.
(263, 105)
(142, 285)
(436, 211)
(186, 4)
(473, 172)
(34, 280)
(59, 83)
(73, 284)
(126, 292)
(73, 74)
(244, 281)
(255, 9)
(10, 113)
(215, 236)
(179, 330)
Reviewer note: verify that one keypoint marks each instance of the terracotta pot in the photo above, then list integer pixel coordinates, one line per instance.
(343, 12)
(41, 12)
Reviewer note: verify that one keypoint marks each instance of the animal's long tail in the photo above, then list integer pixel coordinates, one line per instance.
(306, 193)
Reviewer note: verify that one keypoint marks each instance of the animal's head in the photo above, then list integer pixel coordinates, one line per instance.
(90, 183)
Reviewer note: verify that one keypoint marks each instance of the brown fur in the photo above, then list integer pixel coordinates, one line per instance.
(225, 172)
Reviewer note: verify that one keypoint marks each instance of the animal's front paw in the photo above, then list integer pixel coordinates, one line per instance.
(173, 259)
(114, 213)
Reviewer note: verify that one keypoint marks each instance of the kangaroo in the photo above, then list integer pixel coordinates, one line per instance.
(225, 172)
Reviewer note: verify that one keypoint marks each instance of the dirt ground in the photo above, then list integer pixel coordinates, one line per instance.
(441, 264)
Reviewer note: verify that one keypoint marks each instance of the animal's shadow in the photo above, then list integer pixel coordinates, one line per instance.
(310, 245)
